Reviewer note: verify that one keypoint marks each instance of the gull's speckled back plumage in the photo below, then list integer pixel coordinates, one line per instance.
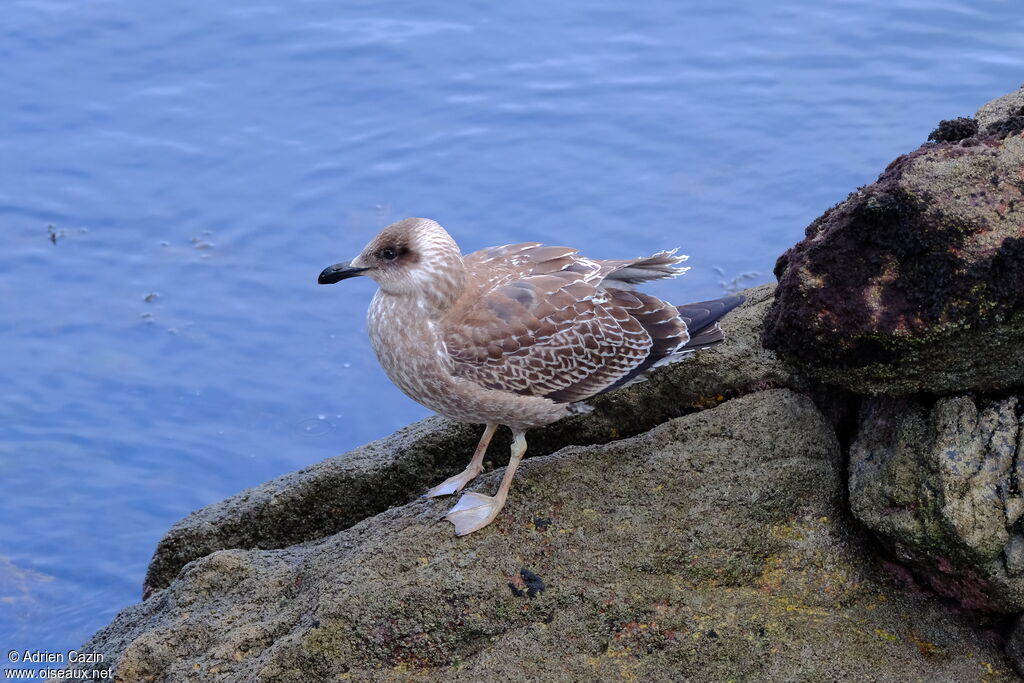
(544, 321)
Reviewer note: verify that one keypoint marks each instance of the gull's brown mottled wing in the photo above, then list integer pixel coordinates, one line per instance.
(545, 321)
(676, 331)
(552, 334)
(500, 265)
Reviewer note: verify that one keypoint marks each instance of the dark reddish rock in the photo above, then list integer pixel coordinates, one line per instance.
(954, 130)
(915, 283)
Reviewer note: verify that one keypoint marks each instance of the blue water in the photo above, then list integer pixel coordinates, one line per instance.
(197, 164)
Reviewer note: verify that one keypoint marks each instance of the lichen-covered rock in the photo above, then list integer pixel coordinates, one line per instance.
(713, 547)
(940, 485)
(338, 492)
(915, 283)
(1003, 116)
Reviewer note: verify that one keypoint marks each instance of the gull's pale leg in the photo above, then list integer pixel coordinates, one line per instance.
(476, 465)
(475, 511)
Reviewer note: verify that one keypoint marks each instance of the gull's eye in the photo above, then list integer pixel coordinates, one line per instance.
(388, 254)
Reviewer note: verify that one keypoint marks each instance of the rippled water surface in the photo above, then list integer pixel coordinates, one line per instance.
(174, 175)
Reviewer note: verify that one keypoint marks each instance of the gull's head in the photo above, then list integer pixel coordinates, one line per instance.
(413, 257)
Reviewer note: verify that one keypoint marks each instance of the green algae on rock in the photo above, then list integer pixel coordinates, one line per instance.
(915, 283)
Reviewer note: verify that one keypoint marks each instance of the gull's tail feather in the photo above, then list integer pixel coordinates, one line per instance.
(699, 327)
(664, 264)
(702, 318)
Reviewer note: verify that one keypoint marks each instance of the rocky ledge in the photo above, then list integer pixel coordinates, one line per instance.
(841, 502)
(712, 546)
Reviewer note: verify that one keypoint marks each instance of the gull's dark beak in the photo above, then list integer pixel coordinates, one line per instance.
(338, 272)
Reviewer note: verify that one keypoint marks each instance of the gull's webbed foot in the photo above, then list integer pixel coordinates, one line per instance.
(476, 465)
(474, 511)
(453, 484)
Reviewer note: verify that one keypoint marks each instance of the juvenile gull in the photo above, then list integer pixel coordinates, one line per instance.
(516, 335)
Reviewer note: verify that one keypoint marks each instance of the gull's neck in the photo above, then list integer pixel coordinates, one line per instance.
(440, 283)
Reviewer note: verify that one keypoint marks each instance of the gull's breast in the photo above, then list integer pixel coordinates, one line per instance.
(410, 350)
(409, 347)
